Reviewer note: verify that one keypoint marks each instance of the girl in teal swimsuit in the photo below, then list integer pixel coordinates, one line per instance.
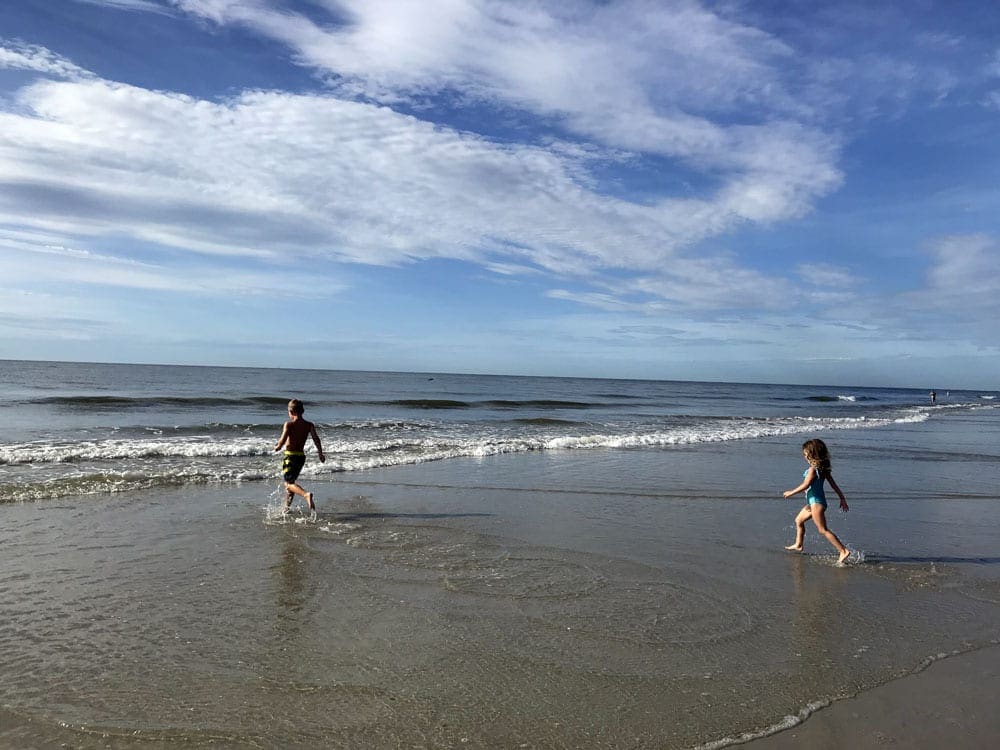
(818, 457)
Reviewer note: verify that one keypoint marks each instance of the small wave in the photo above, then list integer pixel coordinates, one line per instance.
(543, 421)
(362, 455)
(430, 403)
(375, 424)
(789, 721)
(161, 462)
(108, 403)
(100, 483)
(628, 396)
(205, 446)
(539, 404)
(117, 450)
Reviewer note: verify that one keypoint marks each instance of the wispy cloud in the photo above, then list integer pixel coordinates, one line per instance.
(147, 6)
(966, 271)
(663, 78)
(267, 174)
(15, 55)
(828, 275)
(22, 262)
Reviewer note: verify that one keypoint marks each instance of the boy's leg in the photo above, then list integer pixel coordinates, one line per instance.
(293, 488)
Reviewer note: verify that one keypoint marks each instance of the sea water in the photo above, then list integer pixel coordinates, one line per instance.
(71, 429)
(495, 562)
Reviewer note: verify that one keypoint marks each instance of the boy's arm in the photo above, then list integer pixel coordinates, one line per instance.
(805, 483)
(843, 500)
(319, 445)
(283, 438)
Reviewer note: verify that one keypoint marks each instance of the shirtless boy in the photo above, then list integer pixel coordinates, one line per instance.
(293, 439)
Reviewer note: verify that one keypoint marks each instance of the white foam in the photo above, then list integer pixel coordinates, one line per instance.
(362, 455)
(787, 722)
(334, 527)
(204, 446)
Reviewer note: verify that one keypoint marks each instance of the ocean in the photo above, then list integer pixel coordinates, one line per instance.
(73, 429)
(496, 561)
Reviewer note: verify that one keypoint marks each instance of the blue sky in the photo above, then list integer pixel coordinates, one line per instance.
(748, 191)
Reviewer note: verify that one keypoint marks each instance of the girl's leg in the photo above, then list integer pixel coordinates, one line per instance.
(819, 518)
(800, 528)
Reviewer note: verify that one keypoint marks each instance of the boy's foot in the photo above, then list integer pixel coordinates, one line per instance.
(312, 505)
(794, 547)
(843, 556)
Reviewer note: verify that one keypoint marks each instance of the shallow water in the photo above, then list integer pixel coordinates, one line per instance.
(618, 598)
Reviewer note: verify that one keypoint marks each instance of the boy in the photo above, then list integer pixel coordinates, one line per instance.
(293, 438)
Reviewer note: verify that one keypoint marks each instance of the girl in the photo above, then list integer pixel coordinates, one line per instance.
(818, 457)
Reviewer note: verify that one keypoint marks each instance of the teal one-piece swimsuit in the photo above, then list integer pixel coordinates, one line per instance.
(814, 492)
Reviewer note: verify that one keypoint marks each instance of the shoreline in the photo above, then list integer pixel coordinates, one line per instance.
(947, 703)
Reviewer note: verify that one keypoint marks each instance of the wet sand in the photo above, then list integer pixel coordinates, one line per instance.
(605, 600)
(951, 704)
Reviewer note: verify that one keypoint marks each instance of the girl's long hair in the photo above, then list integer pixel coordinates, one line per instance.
(818, 455)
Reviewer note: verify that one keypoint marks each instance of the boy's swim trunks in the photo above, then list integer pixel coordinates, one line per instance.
(292, 465)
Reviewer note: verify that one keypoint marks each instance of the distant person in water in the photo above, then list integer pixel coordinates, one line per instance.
(933, 396)
(293, 440)
(818, 457)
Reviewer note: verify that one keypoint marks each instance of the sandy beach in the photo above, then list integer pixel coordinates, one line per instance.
(952, 703)
(495, 563)
(511, 602)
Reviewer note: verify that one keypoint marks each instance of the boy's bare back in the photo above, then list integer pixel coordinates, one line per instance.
(296, 432)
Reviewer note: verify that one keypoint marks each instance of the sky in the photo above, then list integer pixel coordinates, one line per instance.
(789, 192)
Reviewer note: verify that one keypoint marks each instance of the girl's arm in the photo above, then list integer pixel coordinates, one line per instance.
(805, 483)
(843, 500)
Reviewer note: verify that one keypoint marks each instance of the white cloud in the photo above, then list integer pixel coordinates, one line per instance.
(656, 77)
(993, 67)
(19, 56)
(267, 174)
(827, 275)
(966, 271)
(148, 6)
(26, 262)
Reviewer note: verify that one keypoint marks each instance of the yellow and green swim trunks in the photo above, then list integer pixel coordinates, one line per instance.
(292, 465)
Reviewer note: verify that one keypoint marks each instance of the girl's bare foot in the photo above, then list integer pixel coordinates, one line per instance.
(794, 547)
(843, 556)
